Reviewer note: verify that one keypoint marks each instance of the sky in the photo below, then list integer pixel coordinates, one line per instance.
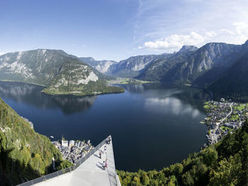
(118, 29)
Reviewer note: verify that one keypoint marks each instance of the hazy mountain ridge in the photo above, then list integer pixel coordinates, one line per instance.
(132, 66)
(102, 66)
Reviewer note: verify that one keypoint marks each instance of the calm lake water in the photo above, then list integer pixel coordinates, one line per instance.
(152, 127)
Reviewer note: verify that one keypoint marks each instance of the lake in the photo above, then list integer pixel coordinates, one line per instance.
(152, 127)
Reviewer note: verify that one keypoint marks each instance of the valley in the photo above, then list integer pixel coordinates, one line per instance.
(55, 88)
(124, 93)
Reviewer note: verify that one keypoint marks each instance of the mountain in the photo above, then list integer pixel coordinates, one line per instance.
(24, 154)
(132, 66)
(56, 70)
(224, 163)
(78, 79)
(34, 66)
(188, 48)
(234, 81)
(191, 65)
(100, 65)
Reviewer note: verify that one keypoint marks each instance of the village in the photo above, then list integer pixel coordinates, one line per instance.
(223, 117)
(72, 150)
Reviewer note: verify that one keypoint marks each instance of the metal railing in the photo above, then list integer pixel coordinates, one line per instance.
(66, 170)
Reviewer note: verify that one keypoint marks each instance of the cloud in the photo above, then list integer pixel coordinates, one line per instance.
(166, 25)
(237, 34)
(176, 41)
(1, 53)
(241, 29)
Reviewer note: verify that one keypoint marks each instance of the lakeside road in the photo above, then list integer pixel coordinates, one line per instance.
(227, 114)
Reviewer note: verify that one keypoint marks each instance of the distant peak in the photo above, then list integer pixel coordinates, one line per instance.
(188, 48)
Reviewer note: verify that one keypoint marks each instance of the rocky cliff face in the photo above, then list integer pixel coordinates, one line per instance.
(34, 66)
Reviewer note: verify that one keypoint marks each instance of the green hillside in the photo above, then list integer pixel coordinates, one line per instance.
(24, 154)
(57, 71)
(225, 163)
(77, 79)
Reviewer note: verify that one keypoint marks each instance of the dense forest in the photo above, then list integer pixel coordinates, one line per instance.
(225, 163)
(24, 154)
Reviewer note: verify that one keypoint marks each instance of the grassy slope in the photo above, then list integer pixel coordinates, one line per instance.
(24, 154)
(225, 163)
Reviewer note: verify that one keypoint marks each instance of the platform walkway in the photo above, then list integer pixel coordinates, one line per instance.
(91, 172)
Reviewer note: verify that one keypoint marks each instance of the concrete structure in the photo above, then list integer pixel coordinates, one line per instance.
(71, 143)
(90, 172)
(64, 143)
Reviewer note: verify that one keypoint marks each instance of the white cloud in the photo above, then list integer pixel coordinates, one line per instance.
(166, 25)
(241, 29)
(176, 41)
(237, 34)
(1, 53)
(226, 31)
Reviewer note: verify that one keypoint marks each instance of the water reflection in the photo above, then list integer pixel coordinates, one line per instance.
(31, 94)
(72, 104)
(171, 105)
(170, 99)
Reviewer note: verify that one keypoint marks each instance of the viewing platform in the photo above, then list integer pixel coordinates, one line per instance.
(89, 171)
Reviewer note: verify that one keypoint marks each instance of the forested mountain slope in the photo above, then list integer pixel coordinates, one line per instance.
(24, 154)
